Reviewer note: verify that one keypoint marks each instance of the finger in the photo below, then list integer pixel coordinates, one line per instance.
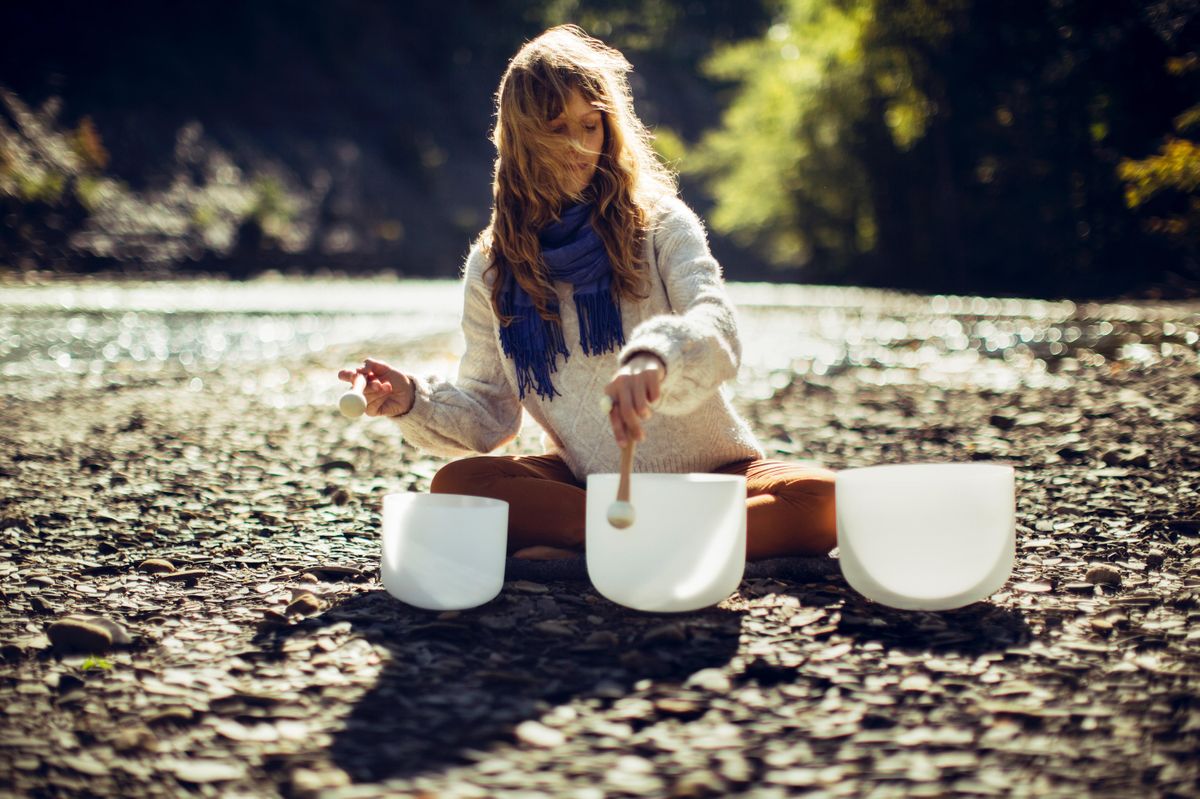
(640, 399)
(348, 375)
(628, 412)
(618, 428)
(377, 405)
(377, 366)
(375, 388)
(614, 419)
(654, 388)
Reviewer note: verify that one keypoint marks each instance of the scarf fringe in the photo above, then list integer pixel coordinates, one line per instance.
(534, 346)
(599, 323)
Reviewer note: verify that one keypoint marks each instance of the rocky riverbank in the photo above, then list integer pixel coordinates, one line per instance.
(190, 605)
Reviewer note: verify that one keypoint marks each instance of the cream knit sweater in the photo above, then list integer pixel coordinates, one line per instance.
(687, 321)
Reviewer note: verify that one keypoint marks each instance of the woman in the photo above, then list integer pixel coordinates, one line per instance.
(593, 280)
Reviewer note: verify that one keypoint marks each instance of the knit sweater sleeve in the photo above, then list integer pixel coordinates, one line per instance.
(479, 411)
(698, 341)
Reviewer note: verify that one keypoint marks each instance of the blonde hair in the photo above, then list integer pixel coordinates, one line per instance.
(530, 170)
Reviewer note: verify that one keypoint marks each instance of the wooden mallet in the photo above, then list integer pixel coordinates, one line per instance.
(354, 403)
(620, 513)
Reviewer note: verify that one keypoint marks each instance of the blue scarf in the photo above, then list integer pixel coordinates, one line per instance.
(575, 254)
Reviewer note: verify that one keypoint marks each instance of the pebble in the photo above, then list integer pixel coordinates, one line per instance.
(498, 622)
(306, 604)
(86, 764)
(184, 575)
(527, 587)
(201, 771)
(534, 733)
(700, 784)
(79, 635)
(672, 706)
(156, 566)
(311, 782)
(918, 683)
(600, 640)
(665, 634)
(1103, 574)
(712, 680)
(555, 627)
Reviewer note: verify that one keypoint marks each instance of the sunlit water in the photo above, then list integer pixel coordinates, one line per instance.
(102, 332)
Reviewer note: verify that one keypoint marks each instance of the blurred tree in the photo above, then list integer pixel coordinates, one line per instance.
(379, 110)
(950, 145)
(1166, 186)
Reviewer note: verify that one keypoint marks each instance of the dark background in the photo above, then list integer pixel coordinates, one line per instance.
(359, 131)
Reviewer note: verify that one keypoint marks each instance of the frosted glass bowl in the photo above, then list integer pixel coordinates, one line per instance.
(926, 536)
(686, 548)
(443, 551)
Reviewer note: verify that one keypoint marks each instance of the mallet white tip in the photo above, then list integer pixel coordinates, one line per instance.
(353, 403)
(620, 514)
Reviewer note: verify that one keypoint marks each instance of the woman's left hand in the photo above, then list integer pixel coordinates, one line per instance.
(634, 390)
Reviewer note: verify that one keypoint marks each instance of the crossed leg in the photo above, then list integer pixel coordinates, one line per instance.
(789, 506)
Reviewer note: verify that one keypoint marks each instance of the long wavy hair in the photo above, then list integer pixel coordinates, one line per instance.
(531, 170)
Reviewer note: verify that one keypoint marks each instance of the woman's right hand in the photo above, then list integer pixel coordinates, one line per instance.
(388, 392)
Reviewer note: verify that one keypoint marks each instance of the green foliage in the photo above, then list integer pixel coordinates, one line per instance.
(1176, 166)
(661, 31)
(636, 25)
(95, 191)
(39, 185)
(1174, 170)
(1173, 173)
(272, 207)
(37, 158)
(43, 163)
(783, 165)
(956, 144)
(94, 663)
(671, 148)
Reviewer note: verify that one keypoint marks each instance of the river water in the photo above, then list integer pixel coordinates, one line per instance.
(101, 332)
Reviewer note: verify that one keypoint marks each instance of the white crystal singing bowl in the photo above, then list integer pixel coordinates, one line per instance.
(930, 536)
(443, 551)
(686, 548)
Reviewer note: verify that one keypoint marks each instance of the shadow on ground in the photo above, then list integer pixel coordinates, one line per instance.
(456, 683)
(976, 629)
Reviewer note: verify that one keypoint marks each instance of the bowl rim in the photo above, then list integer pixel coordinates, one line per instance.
(445, 501)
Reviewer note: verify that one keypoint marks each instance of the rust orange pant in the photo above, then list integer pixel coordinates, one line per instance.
(789, 506)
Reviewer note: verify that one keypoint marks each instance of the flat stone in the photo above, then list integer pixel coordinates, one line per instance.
(555, 627)
(77, 635)
(183, 575)
(712, 680)
(1103, 574)
(202, 771)
(311, 782)
(306, 604)
(534, 733)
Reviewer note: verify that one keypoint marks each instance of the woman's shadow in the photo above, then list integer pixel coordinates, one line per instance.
(452, 684)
